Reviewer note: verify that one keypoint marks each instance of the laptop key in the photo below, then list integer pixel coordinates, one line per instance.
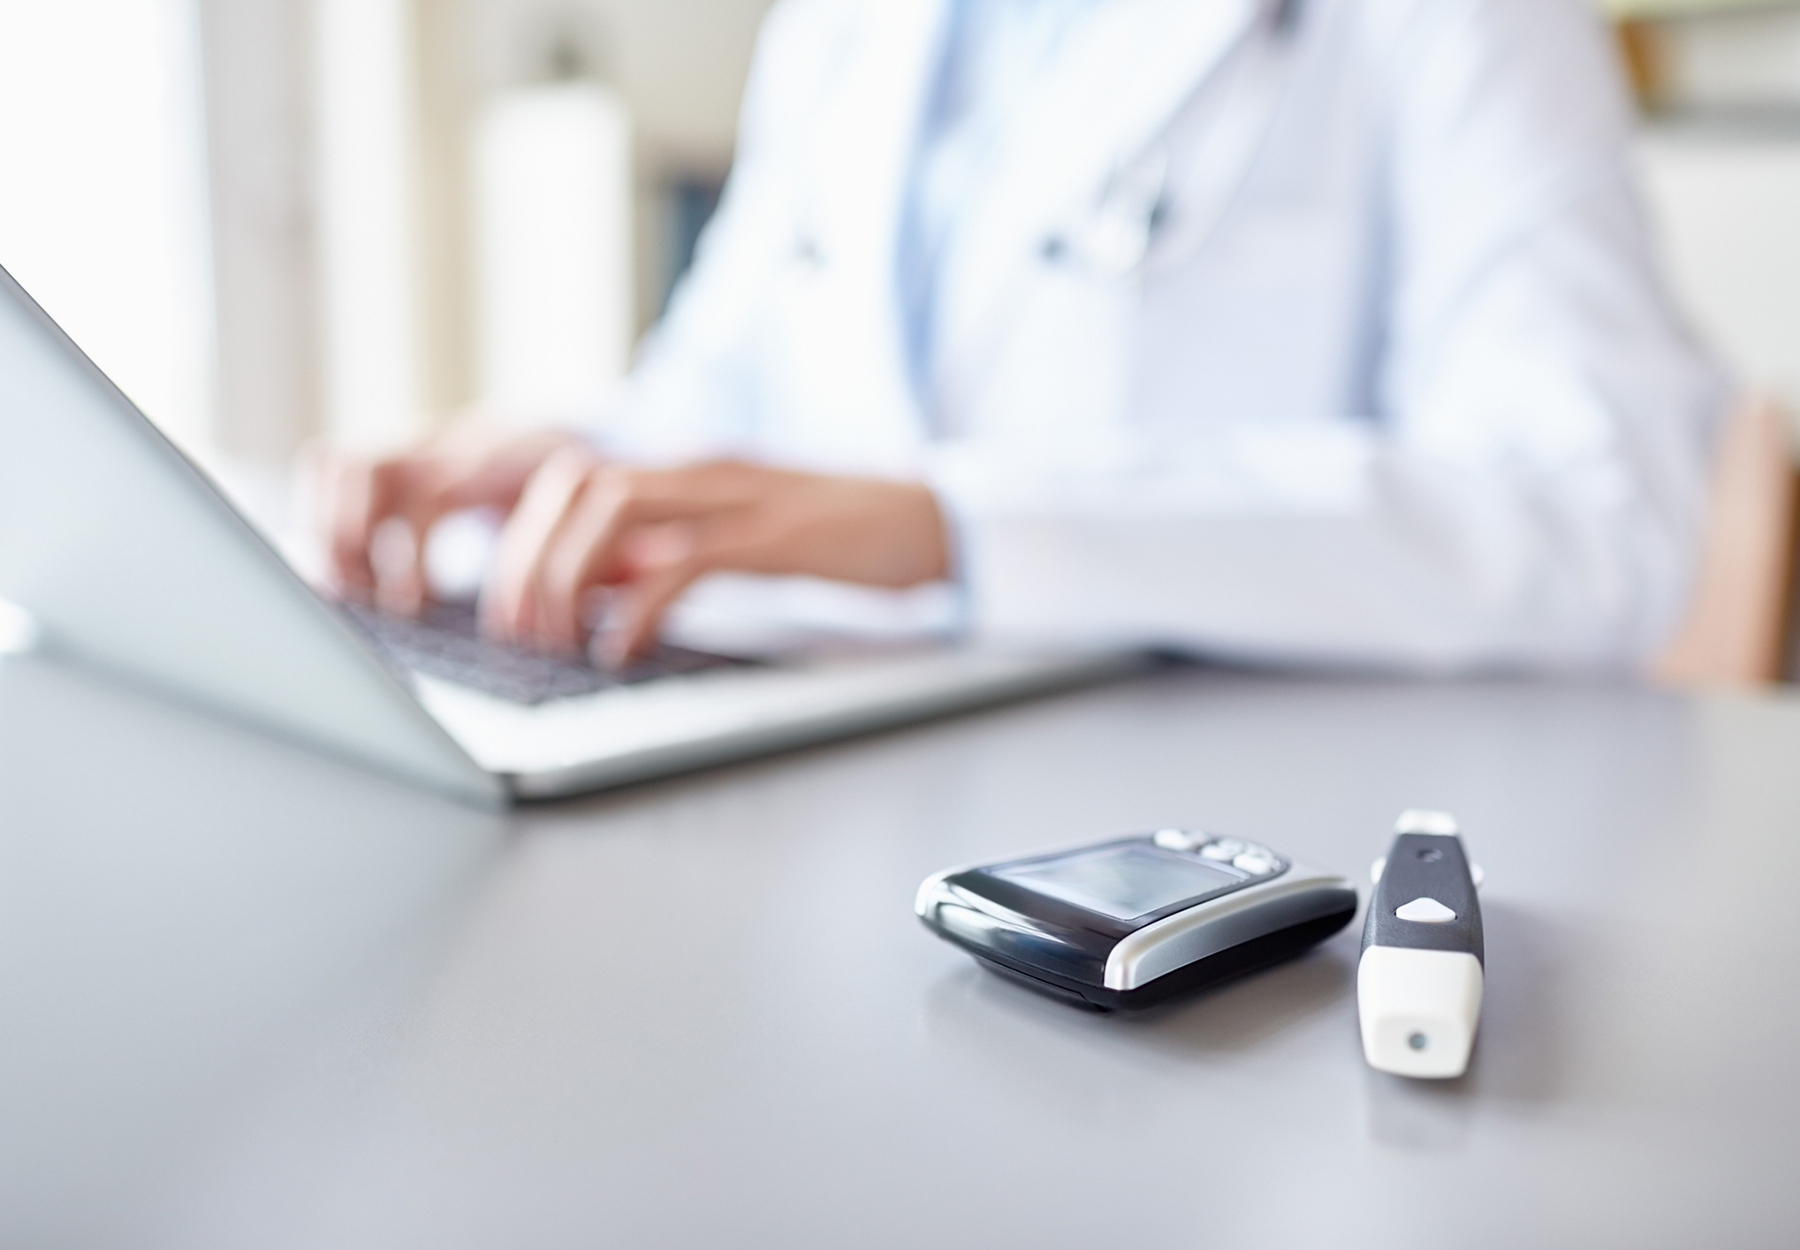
(445, 642)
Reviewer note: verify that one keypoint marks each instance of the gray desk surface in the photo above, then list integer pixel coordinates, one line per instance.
(255, 998)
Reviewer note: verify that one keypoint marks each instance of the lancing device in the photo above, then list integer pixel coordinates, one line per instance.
(1419, 982)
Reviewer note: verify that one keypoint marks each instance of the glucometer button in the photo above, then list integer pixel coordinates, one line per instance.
(1425, 911)
(1174, 839)
(1251, 862)
(1222, 848)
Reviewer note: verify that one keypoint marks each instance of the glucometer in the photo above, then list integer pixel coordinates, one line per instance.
(1420, 978)
(1134, 921)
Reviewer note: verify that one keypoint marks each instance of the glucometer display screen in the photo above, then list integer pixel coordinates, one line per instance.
(1123, 881)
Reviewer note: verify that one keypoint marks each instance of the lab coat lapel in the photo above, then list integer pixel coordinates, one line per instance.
(861, 155)
(1139, 61)
(862, 151)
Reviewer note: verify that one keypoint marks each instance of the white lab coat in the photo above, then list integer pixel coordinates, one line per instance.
(1316, 332)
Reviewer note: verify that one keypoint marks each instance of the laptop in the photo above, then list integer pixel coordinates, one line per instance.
(128, 560)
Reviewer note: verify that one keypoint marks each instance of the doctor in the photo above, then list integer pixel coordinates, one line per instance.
(1305, 330)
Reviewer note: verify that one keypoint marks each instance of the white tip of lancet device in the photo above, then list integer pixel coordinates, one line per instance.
(1418, 820)
(1418, 1010)
(18, 629)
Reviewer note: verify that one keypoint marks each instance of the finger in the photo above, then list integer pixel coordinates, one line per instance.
(403, 578)
(680, 555)
(639, 609)
(615, 504)
(415, 492)
(509, 601)
(493, 470)
(353, 504)
(581, 547)
(394, 554)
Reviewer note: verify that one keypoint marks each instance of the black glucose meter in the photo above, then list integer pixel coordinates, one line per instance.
(1134, 921)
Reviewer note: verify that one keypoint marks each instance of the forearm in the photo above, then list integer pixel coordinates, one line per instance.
(1362, 553)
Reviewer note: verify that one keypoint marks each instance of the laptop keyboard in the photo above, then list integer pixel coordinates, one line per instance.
(445, 642)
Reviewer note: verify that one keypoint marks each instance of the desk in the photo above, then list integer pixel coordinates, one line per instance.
(256, 998)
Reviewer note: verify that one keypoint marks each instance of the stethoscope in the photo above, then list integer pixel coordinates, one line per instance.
(1113, 236)
(1111, 241)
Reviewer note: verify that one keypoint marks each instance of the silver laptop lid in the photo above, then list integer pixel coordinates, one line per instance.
(131, 562)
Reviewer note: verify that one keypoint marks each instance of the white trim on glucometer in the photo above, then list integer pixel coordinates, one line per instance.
(1296, 896)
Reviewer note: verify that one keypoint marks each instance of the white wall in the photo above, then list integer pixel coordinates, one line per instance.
(1728, 206)
(259, 68)
(1723, 173)
(1736, 59)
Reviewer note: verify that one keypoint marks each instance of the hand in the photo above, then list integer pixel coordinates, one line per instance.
(582, 523)
(467, 467)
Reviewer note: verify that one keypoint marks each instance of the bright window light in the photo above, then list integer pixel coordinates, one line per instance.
(103, 208)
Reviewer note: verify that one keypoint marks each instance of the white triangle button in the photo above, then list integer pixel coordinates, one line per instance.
(1425, 911)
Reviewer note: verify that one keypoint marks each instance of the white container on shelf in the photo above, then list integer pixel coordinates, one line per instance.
(553, 247)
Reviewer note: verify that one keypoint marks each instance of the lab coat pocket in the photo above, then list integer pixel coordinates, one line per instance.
(1052, 374)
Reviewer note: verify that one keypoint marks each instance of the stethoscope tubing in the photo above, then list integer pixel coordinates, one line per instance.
(1130, 224)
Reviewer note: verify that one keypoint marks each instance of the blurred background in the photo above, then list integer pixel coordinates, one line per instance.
(275, 219)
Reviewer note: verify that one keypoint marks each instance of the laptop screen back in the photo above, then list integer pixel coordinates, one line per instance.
(131, 562)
